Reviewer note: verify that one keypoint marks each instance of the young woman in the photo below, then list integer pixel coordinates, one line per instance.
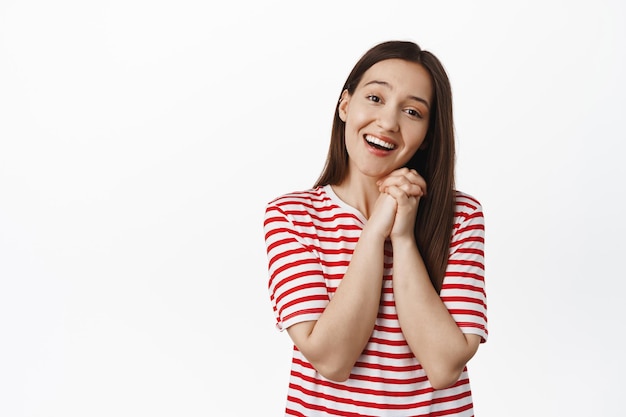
(377, 272)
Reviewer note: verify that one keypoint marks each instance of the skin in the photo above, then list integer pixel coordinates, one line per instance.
(391, 106)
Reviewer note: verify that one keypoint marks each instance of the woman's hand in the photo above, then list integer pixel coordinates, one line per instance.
(383, 215)
(406, 187)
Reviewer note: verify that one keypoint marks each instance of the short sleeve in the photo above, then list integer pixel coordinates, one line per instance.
(297, 287)
(463, 288)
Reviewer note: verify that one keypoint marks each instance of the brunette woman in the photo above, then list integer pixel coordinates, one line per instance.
(377, 271)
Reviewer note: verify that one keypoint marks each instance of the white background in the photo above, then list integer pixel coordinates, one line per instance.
(140, 141)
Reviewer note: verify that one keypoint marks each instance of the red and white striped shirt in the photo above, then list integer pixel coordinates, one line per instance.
(310, 237)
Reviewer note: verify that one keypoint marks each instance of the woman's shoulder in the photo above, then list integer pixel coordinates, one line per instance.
(467, 205)
(466, 200)
(306, 197)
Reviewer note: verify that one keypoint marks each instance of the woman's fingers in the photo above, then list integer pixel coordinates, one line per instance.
(398, 193)
(405, 179)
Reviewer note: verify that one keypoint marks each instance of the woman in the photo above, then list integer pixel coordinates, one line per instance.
(377, 271)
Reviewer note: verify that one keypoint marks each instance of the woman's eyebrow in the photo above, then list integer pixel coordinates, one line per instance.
(386, 84)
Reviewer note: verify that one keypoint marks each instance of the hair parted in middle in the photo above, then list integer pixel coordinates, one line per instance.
(434, 162)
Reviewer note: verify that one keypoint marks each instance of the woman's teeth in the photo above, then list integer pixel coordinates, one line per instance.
(379, 143)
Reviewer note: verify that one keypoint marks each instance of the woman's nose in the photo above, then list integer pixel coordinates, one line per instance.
(388, 118)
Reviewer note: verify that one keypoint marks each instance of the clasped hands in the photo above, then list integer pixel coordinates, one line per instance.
(396, 207)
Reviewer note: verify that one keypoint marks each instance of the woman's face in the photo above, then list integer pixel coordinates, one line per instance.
(386, 117)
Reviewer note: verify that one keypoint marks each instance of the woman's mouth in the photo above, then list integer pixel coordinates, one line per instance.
(379, 143)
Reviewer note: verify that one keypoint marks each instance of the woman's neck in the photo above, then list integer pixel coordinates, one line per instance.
(360, 194)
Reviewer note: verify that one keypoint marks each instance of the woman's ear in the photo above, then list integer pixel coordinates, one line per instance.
(342, 108)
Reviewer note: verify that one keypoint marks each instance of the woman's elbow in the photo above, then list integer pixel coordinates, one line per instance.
(447, 371)
(335, 373)
(444, 378)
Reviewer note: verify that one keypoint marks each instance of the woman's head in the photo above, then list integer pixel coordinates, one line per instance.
(437, 152)
(434, 160)
(386, 117)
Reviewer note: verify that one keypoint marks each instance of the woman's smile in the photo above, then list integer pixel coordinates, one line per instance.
(379, 144)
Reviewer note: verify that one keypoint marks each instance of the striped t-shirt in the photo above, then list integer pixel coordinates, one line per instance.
(310, 237)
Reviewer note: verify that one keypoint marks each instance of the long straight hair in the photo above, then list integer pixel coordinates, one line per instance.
(434, 161)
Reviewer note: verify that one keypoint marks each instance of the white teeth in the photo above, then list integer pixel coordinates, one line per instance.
(379, 142)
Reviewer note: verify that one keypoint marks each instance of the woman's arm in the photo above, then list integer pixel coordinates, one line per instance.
(334, 342)
(431, 332)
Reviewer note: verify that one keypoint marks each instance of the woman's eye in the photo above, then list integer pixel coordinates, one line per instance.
(414, 113)
(374, 98)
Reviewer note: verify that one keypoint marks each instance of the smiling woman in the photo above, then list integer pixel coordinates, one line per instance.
(377, 272)
(386, 117)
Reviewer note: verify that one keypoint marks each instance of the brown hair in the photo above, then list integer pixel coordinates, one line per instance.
(434, 162)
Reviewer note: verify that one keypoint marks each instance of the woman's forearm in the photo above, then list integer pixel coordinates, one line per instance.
(431, 332)
(334, 342)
